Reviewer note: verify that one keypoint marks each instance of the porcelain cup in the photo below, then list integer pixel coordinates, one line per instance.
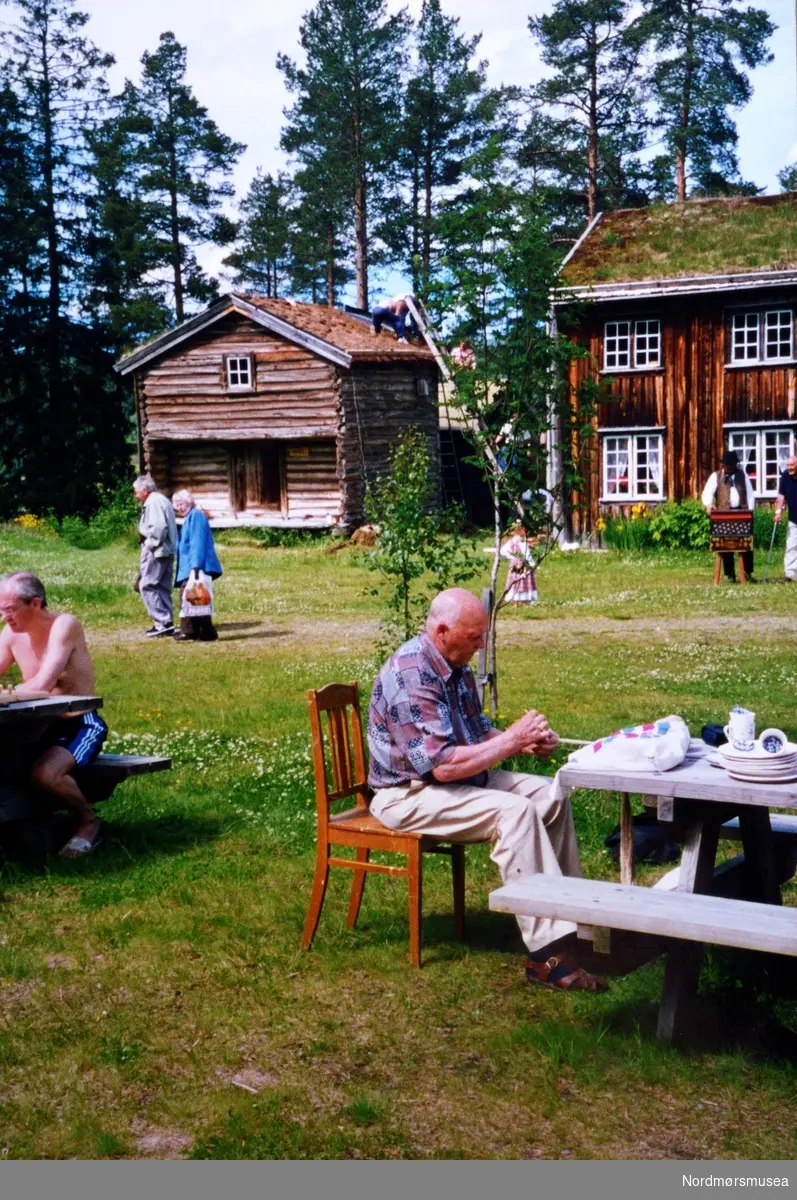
(740, 730)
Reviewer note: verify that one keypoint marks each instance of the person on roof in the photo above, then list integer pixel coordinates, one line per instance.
(396, 314)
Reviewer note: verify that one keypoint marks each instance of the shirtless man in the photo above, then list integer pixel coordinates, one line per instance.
(50, 651)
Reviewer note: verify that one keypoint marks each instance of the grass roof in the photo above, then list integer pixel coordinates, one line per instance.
(702, 237)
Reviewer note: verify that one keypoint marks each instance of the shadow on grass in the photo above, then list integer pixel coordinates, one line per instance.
(123, 846)
(230, 632)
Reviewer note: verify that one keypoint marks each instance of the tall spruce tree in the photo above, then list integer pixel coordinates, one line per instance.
(448, 113)
(262, 255)
(346, 117)
(701, 51)
(593, 51)
(64, 397)
(322, 243)
(183, 162)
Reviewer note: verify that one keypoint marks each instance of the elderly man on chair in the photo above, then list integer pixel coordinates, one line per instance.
(434, 760)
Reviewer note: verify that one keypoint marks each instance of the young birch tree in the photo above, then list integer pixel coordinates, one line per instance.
(493, 287)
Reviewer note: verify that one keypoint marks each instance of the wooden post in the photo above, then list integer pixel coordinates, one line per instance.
(626, 840)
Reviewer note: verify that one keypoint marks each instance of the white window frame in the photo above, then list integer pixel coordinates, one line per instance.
(639, 443)
(232, 365)
(646, 330)
(753, 444)
(749, 336)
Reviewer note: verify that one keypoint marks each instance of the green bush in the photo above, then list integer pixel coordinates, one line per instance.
(631, 533)
(762, 528)
(115, 518)
(681, 526)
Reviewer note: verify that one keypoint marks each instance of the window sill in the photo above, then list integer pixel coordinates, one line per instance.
(761, 362)
(632, 500)
(631, 371)
(240, 391)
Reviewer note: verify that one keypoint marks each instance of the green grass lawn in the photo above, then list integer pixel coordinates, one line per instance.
(154, 1000)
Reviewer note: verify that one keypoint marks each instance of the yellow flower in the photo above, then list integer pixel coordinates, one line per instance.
(619, 528)
(600, 525)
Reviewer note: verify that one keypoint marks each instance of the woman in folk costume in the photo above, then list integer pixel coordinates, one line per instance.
(196, 557)
(521, 581)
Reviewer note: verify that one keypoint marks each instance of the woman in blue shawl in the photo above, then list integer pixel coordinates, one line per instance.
(195, 553)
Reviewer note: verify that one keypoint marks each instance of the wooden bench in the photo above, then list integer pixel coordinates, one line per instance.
(782, 826)
(687, 916)
(99, 780)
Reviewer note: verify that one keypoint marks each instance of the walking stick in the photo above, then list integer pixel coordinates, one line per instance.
(771, 544)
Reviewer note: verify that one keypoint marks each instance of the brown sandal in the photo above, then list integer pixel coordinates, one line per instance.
(561, 973)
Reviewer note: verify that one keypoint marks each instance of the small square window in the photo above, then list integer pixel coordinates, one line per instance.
(617, 345)
(779, 334)
(239, 373)
(647, 344)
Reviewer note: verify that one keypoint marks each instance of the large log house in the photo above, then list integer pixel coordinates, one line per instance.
(689, 317)
(277, 413)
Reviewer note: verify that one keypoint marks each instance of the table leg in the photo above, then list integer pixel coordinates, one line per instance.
(626, 840)
(758, 843)
(682, 971)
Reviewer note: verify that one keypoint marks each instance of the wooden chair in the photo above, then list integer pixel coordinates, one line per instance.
(356, 827)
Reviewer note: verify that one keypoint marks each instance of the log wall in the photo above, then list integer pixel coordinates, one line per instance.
(378, 401)
(692, 395)
(184, 395)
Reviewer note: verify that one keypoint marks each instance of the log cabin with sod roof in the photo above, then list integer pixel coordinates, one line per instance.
(688, 311)
(277, 413)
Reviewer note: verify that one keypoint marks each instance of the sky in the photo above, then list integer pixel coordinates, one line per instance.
(232, 53)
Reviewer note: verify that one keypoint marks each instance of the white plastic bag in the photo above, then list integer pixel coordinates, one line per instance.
(197, 580)
(656, 746)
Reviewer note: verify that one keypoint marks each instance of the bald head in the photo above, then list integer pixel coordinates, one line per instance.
(457, 624)
(791, 464)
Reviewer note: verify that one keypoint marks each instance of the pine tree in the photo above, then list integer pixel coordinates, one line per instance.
(321, 247)
(701, 52)
(183, 161)
(262, 257)
(448, 113)
(62, 393)
(59, 77)
(346, 117)
(122, 254)
(787, 178)
(594, 53)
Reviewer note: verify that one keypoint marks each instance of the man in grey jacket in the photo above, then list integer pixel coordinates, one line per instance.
(158, 531)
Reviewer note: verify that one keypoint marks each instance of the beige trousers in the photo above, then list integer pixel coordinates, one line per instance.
(790, 558)
(531, 833)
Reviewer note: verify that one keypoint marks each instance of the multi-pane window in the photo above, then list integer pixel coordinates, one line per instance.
(763, 336)
(617, 345)
(779, 334)
(239, 372)
(632, 466)
(762, 454)
(647, 343)
(631, 344)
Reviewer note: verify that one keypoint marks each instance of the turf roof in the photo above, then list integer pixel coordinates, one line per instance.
(702, 237)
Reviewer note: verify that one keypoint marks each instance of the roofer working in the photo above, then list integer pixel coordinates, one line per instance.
(434, 760)
(50, 650)
(395, 313)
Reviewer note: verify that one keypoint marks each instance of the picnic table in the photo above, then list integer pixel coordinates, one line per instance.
(737, 903)
(21, 725)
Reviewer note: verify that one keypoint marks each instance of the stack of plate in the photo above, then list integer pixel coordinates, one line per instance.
(758, 766)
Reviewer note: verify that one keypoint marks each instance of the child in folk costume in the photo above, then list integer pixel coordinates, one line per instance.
(521, 581)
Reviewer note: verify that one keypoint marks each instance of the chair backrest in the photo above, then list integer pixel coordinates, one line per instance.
(341, 773)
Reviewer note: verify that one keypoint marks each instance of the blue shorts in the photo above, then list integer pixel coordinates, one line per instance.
(82, 736)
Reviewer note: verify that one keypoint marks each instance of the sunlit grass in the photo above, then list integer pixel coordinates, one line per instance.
(154, 1000)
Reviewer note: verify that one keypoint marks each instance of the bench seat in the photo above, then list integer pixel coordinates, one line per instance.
(129, 764)
(781, 825)
(684, 915)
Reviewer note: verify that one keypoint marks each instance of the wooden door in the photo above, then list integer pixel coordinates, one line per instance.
(256, 476)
